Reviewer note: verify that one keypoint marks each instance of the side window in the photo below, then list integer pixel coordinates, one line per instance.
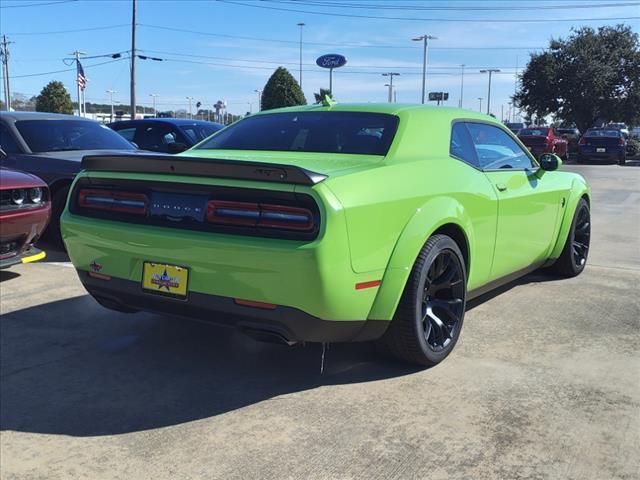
(152, 137)
(127, 133)
(495, 149)
(461, 146)
(7, 142)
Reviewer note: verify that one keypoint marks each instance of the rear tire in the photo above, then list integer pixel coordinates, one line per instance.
(429, 317)
(573, 258)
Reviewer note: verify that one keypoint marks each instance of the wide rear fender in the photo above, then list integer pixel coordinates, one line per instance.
(579, 189)
(432, 215)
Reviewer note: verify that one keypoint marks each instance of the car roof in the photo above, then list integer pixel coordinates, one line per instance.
(17, 116)
(172, 121)
(403, 109)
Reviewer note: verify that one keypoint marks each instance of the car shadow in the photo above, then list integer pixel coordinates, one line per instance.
(71, 367)
(6, 275)
(54, 252)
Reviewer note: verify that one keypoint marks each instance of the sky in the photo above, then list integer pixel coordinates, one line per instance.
(226, 49)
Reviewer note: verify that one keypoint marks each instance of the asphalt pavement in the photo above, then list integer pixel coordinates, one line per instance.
(543, 384)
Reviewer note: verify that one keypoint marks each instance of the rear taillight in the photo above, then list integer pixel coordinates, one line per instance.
(265, 215)
(621, 141)
(113, 201)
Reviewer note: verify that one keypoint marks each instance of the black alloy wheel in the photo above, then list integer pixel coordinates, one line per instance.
(428, 320)
(574, 255)
(443, 297)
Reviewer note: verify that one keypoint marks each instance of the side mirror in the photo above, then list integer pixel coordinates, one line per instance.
(549, 162)
(3, 154)
(177, 147)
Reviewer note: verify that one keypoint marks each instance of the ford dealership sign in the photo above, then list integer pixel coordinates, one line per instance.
(331, 60)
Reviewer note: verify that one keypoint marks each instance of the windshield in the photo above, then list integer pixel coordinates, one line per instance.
(65, 135)
(198, 132)
(534, 132)
(359, 133)
(602, 133)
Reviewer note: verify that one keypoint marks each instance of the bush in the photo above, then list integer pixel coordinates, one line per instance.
(633, 147)
(282, 90)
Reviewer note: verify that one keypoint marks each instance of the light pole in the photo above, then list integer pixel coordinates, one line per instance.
(480, 98)
(190, 99)
(301, 25)
(154, 95)
(489, 71)
(424, 38)
(461, 83)
(390, 75)
(259, 92)
(111, 92)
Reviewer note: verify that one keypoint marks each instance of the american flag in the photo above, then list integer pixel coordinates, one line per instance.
(82, 80)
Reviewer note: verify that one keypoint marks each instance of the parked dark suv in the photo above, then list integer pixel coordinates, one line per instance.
(166, 135)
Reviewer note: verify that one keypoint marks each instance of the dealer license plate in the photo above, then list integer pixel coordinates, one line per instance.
(601, 150)
(165, 279)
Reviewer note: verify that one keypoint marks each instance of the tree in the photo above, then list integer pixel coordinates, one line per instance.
(592, 75)
(54, 98)
(282, 90)
(320, 96)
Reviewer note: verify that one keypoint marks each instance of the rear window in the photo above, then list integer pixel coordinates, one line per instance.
(534, 132)
(359, 133)
(602, 133)
(65, 135)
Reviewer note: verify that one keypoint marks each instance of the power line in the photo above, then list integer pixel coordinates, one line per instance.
(322, 44)
(66, 69)
(37, 4)
(395, 6)
(88, 29)
(413, 19)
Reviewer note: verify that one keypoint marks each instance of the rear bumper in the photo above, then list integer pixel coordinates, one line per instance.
(286, 323)
(610, 153)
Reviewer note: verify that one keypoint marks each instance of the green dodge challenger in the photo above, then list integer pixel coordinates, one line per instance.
(328, 223)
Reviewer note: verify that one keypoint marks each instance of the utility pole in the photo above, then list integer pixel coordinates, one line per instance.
(390, 84)
(4, 54)
(489, 71)
(259, 92)
(190, 99)
(111, 92)
(502, 113)
(154, 96)
(424, 38)
(461, 84)
(301, 25)
(133, 62)
(480, 98)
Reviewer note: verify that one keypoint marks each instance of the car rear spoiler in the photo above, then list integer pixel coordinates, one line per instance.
(201, 167)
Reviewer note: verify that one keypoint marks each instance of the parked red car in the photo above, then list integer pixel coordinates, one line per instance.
(541, 140)
(24, 213)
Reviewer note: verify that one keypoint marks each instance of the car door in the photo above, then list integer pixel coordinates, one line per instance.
(528, 199)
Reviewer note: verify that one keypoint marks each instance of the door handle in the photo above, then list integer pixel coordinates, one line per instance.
(501, 187)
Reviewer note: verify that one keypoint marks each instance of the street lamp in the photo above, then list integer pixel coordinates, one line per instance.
(480, 98)
(154, 95)
(190, 113)
(259, 92)
(424, 38)
(111, 92)
(390, 84)
(489, 71)
(301, 25)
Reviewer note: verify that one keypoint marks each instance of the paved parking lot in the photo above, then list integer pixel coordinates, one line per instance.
(544, 383)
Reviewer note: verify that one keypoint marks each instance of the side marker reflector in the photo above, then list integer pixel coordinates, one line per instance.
(251, 303)
(371, 284)
(99, 276)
